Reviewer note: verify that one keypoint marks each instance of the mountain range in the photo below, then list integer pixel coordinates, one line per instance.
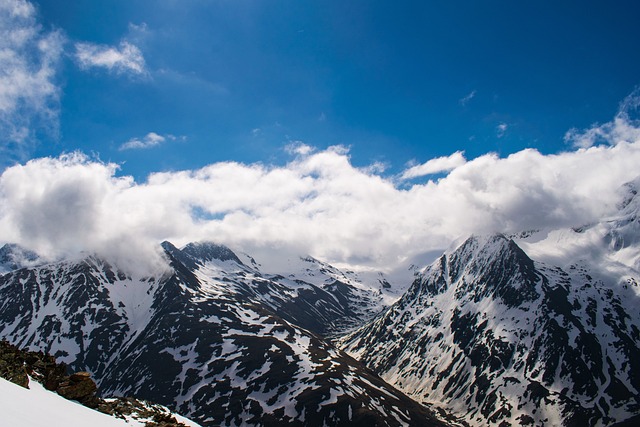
(534, 328)
(497, 338)
(210, 337)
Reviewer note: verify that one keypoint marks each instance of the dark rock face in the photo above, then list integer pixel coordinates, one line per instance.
(209, 251)
(327, 309)
(209, 339)
(499, 339)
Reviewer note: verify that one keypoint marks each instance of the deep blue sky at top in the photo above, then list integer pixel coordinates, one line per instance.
(241, 79)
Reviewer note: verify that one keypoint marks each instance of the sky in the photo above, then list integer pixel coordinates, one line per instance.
(364, 133)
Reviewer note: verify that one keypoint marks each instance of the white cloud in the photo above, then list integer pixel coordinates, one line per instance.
(124, 59)
(149, 140)
(375, 168)
(298, 148)
(465, 100)
(501, 129)
(29, 94)
(437, 165)
(318, 204)
(624, 127)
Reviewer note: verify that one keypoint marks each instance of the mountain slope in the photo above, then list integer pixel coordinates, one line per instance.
(18, 409)
(311, 294)
(207, 337)
(500, 339)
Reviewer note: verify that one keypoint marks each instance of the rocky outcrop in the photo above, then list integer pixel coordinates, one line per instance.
(79, 386)
(18, 365)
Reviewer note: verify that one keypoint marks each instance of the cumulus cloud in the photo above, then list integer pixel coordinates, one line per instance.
(434, 166)
(298, 148)
(149, 140)
(318, 204)
(624, 127)
(29, 94)
(124, 59)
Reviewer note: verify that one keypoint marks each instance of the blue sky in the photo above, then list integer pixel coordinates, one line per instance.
(363, 133)
(396, 82)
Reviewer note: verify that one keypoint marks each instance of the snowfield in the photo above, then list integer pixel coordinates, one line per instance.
(38, 407)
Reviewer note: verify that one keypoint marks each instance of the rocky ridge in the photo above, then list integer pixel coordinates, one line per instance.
(18, 366)
(211, 337)
(500, 339)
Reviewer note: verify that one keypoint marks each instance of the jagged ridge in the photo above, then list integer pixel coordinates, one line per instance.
(204, 338)
(497, 338)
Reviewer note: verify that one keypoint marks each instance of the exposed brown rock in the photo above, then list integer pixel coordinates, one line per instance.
(17, 365)
(79, 386)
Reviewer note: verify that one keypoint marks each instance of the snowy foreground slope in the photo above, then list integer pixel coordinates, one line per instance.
(38, 407)
(19, 404)
(500, 339)
(211, 337)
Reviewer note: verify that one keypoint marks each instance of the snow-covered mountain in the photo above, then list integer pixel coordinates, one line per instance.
(13, 257)
(210, 337)
(500, 339)
(536, 328)
(311, 294)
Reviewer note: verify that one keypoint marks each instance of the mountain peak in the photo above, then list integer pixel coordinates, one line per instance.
(628, 193)
(209, 251)
(486, 332)
(482, 266)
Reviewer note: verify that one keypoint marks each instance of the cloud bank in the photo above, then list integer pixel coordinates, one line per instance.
(319, 203)
(29, 95)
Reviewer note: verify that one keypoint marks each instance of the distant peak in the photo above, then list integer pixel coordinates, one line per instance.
(168, 246)
(310, 259)
(489, 249)
(628, 194)
(14, 256)
(483, 242)
(208, 251)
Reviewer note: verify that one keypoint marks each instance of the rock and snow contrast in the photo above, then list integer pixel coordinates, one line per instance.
(36, 391)
(500, 339)
(36, 407)
(538, 328)
(210, 337)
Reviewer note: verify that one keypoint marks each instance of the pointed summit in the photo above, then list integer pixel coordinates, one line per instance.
(209, 251)
(482, 266)
(503, 340)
